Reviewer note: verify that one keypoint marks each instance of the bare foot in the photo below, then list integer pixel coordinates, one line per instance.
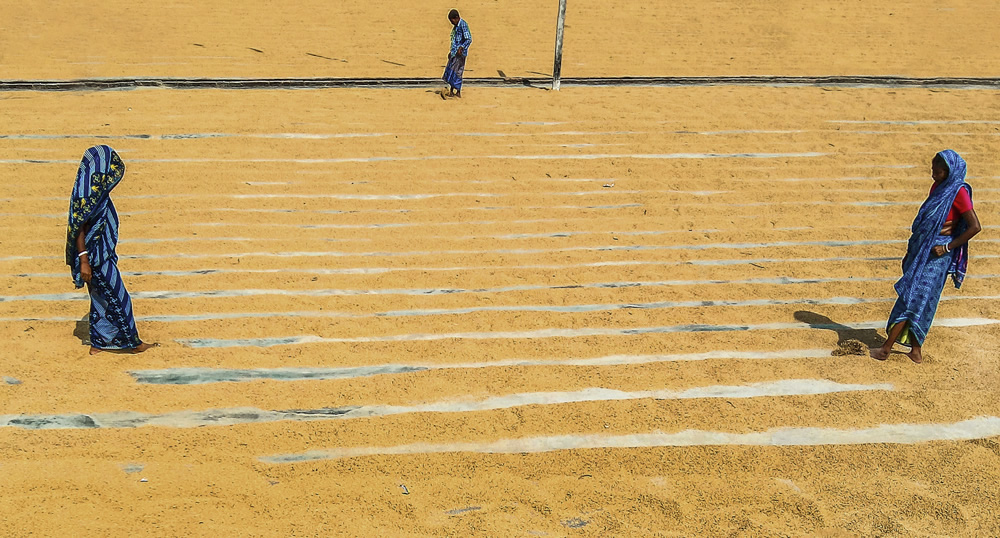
(144, 346)
(915, 355)
(94, 350)
(878, 353)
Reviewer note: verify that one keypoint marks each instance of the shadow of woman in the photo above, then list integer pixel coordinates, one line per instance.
(869, 337)
(82, 330)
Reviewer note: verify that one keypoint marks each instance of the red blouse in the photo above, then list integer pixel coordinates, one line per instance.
(962, 203)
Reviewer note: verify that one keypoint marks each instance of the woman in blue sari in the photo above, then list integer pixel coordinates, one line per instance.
(91, 238)
(938, 247)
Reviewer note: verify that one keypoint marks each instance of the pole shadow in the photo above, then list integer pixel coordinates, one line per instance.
(869, 337)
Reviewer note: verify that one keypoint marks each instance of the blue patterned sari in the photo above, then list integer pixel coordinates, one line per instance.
(924, 274)
(112, 325)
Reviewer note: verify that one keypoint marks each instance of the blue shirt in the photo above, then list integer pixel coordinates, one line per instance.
(460, 37)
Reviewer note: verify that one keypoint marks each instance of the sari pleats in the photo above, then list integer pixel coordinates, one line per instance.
(921, 304)
(112, 325)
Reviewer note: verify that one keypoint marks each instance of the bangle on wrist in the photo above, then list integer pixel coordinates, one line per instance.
(82, 252)
(946, 249)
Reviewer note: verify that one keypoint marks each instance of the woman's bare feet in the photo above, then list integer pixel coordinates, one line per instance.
(144, 346)
(879, 354)
(94, 350)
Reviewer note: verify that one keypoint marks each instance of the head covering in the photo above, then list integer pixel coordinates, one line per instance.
(927, 226)
(90, 206)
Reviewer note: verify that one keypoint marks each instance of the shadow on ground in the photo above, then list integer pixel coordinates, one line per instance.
(869, 337)
(82, 330)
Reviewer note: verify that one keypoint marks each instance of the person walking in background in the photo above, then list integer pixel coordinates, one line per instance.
(461, 39)
(938, 247)
(91, 238)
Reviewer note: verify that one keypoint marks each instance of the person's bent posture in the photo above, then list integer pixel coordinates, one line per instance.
(91, 238)
(938, 247)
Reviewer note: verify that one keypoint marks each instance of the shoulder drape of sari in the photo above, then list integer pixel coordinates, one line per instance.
(927, 227)
(90, 205)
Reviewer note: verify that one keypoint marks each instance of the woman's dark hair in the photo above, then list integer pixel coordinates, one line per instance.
(453, 14)
(941, 163)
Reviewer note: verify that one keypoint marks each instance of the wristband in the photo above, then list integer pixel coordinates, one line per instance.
(946, 249)
(82, 253)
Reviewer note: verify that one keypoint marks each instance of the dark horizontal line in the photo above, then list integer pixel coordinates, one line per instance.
(321, 83)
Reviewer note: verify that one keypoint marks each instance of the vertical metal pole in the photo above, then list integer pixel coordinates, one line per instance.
(557, 65)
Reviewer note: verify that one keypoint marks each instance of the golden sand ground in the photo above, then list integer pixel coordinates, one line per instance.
(501, 195)
(359, 38)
